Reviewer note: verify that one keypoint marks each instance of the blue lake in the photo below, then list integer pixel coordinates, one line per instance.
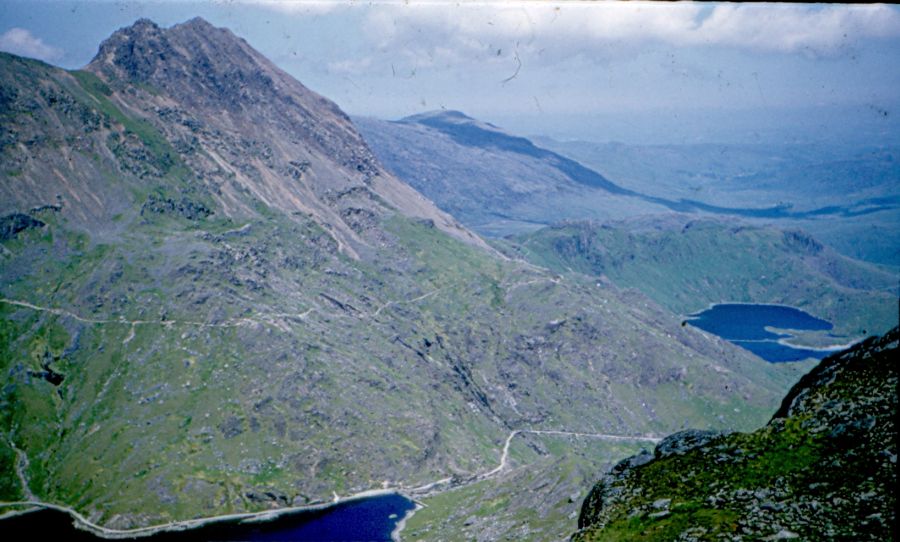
(745, 325)
(374, 518)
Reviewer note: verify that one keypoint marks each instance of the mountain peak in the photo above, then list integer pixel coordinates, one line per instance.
(146, 52)
(446, 115)
(197, 23)
(444, 119)
(142, 23)
(286, 145)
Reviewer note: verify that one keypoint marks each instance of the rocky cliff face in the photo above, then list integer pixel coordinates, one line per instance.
(212, 293)
(248, 134)
(825, 467)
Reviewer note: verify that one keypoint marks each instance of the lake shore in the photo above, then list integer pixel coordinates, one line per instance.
(395, 534)
(775, 332)
(85, 524)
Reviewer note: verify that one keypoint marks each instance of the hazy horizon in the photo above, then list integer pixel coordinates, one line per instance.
(636, 73)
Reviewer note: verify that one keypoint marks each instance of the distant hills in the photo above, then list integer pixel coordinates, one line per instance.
(858, 182)
(558, 213)
(495, 182)
(216, 299)
(685, 264)
(824, 467)
(499, 183)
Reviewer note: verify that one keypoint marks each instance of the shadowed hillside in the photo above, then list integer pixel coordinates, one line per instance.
(825, 467)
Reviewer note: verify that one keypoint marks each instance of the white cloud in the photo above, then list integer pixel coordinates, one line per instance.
(298, 7)
(350, 66)
(788, 28)
(482, 30)
(21, 42)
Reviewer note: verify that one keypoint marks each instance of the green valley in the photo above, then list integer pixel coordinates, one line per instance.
(215, 300)
(685, 264)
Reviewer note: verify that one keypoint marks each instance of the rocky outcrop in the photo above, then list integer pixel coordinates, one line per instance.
(184, 207)
(825, 467)
(684, 441)
(802, 242)
(253, 132)
(12, 224)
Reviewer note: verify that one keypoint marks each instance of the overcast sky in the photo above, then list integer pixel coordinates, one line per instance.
(603, 71)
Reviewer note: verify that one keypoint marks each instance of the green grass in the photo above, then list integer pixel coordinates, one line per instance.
(10, 488)
(149, 135)
(511, 499)
(686, 269)
(688, 480)
(827, 459)
(684, 517)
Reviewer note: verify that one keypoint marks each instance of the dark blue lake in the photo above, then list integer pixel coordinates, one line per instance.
(374, 518)
(745, 325)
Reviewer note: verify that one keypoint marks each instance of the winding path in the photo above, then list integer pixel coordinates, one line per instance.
(259, 319)
(413, 300)
(233, 322)
(32, 502)
(504, 457)
(422, 490)
(21, 471)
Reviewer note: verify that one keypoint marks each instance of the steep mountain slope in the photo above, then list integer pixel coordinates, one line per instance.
(212, 293)
(498, 183)
(242, 126)
(825, 467)
(684, 264)
(494, 182)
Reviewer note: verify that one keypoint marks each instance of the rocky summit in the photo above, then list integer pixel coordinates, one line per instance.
(824, 468)
(214, 299)
(243, 129)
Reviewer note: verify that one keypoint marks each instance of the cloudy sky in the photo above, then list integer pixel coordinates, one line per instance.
(604, 71)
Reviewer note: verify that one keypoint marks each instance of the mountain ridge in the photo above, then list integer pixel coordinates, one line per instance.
(213, 315)
(199, 67)
(471, 132)
(530, 184)
(496, 190)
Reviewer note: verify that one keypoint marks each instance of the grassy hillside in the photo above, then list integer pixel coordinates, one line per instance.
(806, 176)
(823, 468)
(196, 320)
(686, 264)
(203, 367)
(539, 498)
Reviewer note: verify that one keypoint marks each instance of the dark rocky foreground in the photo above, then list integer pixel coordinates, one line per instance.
(825, 467)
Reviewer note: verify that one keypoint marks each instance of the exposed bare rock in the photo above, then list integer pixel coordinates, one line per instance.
(263, 137)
